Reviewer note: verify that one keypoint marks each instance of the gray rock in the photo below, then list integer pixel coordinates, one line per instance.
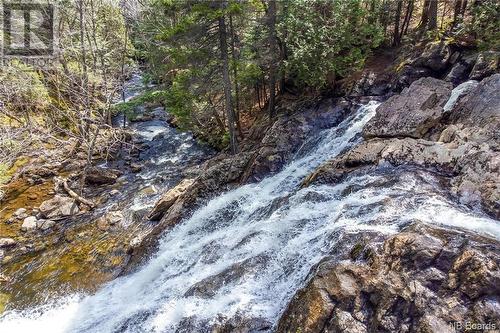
(45, 224)
(168, 199)
(458, 73)
(412, 113)
(58, 206)
(100, 176)
(29, 224)
(481, 107)
(19, 212)
(7, 242)
(435, 57)
(385, 290)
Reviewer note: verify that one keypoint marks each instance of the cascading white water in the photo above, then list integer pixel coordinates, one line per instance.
(246, 252)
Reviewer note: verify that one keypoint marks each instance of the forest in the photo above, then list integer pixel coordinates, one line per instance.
(198, 158)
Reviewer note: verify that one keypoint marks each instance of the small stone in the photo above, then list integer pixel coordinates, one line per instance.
(19, 212)
(114, 192)
(22, 216)
(7, 242)
(149, 190)
(102, 224)
(135, 242)
(114, 217)
(45, 224)
(33, 196)
(135, 167)
(59, 206)
(29, 223)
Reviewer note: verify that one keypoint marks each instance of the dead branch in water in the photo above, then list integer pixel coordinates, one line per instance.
(74, 195)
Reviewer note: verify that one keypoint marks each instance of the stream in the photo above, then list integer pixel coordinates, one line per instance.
(78, 256)
(244, 254)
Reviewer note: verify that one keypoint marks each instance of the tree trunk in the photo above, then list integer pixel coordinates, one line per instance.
(85, 120)
(284, 49)
(227, 83)
(397, 18)
(406, 22)
(424, 19)
(464, 7)
(433, 12)
(272, 68)
(234, 56)
(456, 11)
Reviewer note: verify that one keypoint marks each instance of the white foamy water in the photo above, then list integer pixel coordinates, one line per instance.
(246, 252)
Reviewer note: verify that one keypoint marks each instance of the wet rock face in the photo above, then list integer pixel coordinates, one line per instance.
(288, 133)
(420, 280)
(413, 112)
(463, 143)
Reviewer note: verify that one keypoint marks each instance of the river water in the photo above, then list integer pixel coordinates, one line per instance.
(77, 255)
(246, 252)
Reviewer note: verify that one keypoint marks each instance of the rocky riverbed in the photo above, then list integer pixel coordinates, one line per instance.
(51, 244)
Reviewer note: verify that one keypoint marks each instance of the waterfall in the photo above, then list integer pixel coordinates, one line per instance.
(246, 252)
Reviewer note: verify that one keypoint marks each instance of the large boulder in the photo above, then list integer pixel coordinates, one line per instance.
(168, 199)
(57, 207)
(436, 56)
(420, 280)
(413, 112)
(100, 176)
(481, 106)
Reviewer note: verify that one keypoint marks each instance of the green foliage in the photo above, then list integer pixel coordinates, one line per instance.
(485, 24)
(148, 97)
(330, 38)
(4, 177)
(180, 100)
